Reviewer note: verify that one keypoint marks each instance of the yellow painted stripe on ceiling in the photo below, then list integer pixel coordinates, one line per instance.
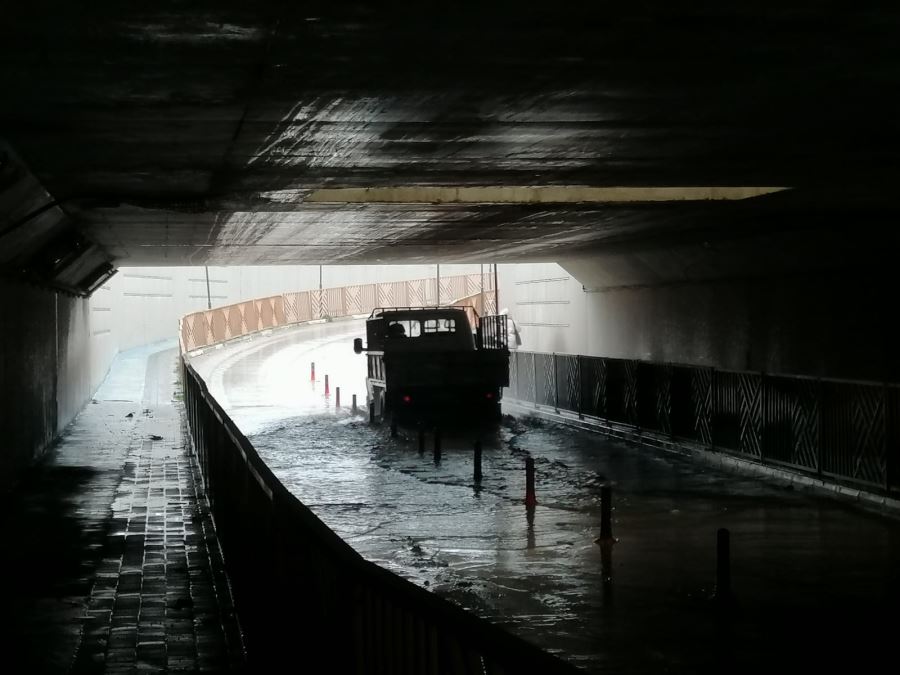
(549, 194)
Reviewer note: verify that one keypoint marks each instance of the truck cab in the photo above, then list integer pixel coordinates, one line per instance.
(432, 363)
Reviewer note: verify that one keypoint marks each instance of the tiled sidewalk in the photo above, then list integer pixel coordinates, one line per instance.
(126, 575)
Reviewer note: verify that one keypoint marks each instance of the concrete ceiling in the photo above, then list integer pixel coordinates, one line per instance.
(187, 133)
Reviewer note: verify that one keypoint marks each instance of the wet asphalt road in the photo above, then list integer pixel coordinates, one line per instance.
(815, 582)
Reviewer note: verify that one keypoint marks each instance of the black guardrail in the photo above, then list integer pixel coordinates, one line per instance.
(306, 600)
(840, 430)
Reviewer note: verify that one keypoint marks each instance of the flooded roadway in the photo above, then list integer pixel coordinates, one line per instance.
(813, 579)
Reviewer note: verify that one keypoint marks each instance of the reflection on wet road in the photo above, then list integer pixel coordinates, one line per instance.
(810, 575)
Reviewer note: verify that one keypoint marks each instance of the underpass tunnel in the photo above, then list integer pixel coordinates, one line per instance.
(783, 306)
(687, 215)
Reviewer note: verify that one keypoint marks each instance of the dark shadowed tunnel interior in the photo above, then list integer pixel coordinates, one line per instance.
(684, 216)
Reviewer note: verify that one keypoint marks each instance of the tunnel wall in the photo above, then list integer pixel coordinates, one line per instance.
(73, 334)
(548, 306)
(826, 324)
(28, 375)
(819, 326)
(53, 358)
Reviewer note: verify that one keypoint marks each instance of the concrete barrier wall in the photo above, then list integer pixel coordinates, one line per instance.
(822, 324)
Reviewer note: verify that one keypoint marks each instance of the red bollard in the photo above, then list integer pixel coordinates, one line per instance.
(312, 371)
(337, 397)
(530, 499)
(327, 390)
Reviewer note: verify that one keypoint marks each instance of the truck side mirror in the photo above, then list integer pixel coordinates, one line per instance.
(358, 346)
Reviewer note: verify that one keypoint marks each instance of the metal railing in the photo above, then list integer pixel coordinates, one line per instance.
(208, 327)
(306, 599)
(493, 332)
(841, 430)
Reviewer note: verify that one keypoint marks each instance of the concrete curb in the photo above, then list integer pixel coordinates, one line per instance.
(858, 497)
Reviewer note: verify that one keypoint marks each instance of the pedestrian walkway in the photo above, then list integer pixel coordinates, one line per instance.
(110, 559)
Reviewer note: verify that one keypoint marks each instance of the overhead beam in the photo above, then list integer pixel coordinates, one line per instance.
(533, 194)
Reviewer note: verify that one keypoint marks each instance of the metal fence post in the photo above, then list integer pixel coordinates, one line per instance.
(579, 362)
(600, 406)
(670, 377)
(518, 393)
(885, 432)
(534, 377)
(764, 418)
(555, 366)
(713, 403)
(820, 427)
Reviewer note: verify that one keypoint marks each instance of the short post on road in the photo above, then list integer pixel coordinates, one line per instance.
(606, 534)
(530, 497)
(477, 469)
(723, 565)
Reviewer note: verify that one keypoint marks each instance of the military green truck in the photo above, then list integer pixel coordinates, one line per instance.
(432, 364)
